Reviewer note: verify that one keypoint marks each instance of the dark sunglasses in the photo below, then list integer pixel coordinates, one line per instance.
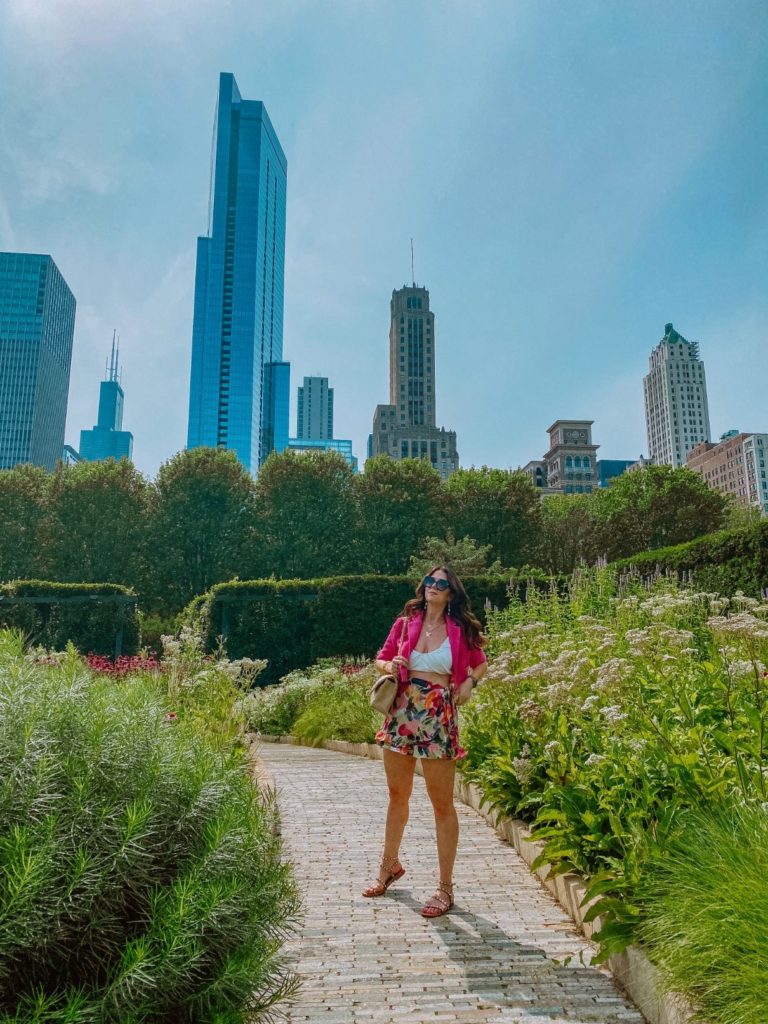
(430, 581)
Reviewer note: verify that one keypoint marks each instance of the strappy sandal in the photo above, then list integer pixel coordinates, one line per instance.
(379, 887)
(437, 905)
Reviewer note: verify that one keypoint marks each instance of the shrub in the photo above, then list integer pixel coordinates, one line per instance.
(140, 873)
(340, 710)
(293, 623)
(601, 732)
(707, 913)
(722, 562)
(96, 617)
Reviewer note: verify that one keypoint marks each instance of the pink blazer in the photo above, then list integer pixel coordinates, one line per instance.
(463, 656)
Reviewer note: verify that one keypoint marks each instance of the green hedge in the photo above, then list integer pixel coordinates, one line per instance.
(98, 617)
(720, 562)
(292, 623)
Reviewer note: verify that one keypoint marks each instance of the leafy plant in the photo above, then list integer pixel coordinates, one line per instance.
(140, 871)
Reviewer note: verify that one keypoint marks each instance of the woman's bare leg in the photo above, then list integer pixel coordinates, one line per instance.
(399, 769)
(439, 776)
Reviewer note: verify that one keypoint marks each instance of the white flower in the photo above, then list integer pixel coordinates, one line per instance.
(612, 714)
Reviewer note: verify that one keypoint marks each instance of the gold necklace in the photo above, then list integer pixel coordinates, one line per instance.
(429, 632)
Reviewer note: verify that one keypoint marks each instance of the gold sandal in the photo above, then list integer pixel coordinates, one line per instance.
(437, 905)
(379, 887)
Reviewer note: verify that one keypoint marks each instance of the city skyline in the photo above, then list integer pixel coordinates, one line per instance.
(590, 198)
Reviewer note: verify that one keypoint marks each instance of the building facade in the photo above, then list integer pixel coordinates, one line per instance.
(676, 407)
(107, 439)
(407, 426)
(37, 325)
(314, 419)
(239, 385)
(332, 444)
(609, 469)
(736, 465)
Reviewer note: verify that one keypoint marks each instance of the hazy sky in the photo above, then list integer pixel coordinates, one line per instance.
(575, 173)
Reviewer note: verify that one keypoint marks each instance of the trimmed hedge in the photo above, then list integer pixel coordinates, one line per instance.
(292, 623)
(720, 562)
(97, 617)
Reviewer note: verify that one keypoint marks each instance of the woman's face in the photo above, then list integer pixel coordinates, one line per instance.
(437, 599)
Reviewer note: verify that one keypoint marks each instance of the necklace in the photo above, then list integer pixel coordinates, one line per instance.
(428, 632)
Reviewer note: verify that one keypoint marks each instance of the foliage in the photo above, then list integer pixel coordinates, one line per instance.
(292, 623)
(140, 872)
(466, 557)
(568, 536)
(95, 530)
(23, 497)
(609, 710)
(339, 710)
(85, 614)
(655, 507)
(201, 524)
(309, 496)
(726, 562)
(399, 502)
(497, 507)
(707, 913)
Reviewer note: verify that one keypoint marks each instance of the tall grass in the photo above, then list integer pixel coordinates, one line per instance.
(140, 874)
(706, 903)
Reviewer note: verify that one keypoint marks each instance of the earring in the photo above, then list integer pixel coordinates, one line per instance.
(450, 610)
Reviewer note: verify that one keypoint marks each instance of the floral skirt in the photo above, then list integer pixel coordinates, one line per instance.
(423, 722)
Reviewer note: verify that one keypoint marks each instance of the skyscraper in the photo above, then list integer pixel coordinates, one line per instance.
(239, 384)
(108, 439)
(676, 407)
(314, 421)
(406, 428)
(37, 324)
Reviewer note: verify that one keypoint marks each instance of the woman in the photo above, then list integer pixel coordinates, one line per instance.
(435, 648)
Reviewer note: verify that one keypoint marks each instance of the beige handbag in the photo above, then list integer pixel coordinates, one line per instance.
(383, 692)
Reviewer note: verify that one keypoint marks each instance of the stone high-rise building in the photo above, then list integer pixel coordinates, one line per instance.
(406, 427)
(569, 465)
(37, 324)
(676, 407)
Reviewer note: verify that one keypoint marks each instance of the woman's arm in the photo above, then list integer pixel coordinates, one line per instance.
(386, 660)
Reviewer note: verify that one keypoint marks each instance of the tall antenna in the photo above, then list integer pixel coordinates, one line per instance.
(413, 273)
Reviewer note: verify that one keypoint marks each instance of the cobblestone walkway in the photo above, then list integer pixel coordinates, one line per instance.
(500, 957)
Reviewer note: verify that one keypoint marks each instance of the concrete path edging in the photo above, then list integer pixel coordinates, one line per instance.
(632, 969)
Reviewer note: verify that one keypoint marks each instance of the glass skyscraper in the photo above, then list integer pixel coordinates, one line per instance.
(108, 439)
(239, 385)
(37, 325)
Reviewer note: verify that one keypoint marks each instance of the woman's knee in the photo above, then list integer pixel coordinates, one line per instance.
(443, 806)
(400, 793)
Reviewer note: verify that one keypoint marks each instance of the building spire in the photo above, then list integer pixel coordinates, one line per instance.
(413, 273)
(114, 357)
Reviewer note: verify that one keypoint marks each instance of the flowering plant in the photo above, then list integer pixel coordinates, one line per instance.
(609, 710)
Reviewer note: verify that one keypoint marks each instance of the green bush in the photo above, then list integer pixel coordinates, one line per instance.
(140, 872)
(602, 730)
(293, 623)
(720, 562)
(707, 913)
(339, 711)
(95, 617)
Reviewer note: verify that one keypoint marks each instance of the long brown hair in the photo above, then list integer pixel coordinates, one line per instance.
(460, 610)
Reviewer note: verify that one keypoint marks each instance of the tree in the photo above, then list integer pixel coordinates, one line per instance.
(400, 502)
(466, 557)
(306, 515)
(201, 524)
(497, 507)
(23, 493)
(95, 530)
(569, 532)
(655, 507)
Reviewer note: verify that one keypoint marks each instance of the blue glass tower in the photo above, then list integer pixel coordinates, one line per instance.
(108, 439)
(37, 325)
(239, 384)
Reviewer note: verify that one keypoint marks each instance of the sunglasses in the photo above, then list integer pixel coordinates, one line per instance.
(430, 581)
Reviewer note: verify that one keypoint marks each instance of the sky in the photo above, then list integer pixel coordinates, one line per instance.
(574, 174)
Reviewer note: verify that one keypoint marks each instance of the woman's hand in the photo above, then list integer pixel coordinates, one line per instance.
(398, 662)
(464, 692)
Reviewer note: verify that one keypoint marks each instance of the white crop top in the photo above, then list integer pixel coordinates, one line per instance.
(438, 661)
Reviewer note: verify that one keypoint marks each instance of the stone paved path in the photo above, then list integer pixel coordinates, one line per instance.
(499, 957)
